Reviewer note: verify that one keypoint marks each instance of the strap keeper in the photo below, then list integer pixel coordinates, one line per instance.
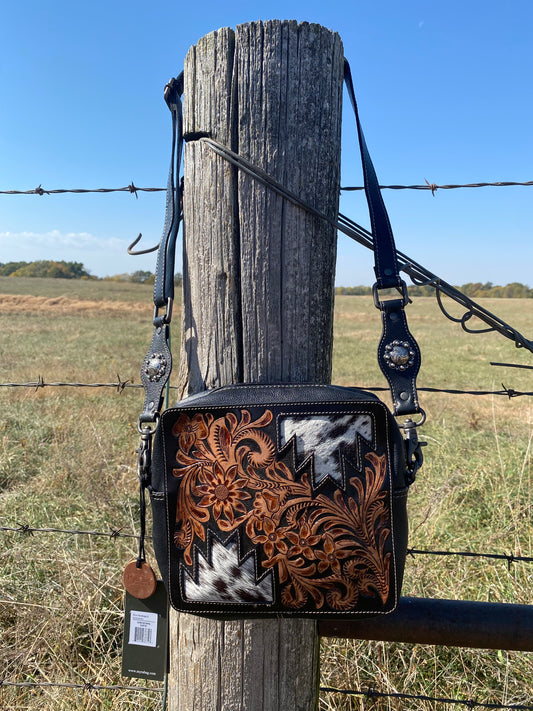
(166, 317)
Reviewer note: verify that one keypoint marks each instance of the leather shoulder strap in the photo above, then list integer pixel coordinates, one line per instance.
(398, 352)
(386, 262)
(164, 273)
(157, 365)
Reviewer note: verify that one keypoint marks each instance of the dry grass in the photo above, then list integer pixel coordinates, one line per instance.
(67, 460)
(62, 305)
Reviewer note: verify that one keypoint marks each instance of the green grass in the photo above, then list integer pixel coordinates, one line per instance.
(67, 460)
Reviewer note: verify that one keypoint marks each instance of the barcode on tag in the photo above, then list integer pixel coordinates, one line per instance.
(143, 628)
(142, 635)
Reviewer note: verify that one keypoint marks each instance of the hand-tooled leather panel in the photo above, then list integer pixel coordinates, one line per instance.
(280, 509)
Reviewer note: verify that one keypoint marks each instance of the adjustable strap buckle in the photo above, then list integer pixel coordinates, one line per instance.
(402, 289)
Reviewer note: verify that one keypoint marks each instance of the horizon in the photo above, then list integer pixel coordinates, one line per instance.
(483, 285)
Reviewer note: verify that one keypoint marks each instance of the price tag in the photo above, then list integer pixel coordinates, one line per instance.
(145, 641)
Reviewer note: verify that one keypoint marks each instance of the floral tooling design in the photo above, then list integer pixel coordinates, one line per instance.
(327, 552)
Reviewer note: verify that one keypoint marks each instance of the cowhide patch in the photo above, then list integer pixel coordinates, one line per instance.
(226, 579)
(327, 438)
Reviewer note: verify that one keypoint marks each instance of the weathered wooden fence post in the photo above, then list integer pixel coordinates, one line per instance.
(258, 299)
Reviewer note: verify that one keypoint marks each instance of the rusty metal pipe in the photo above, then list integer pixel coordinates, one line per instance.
(452, 623)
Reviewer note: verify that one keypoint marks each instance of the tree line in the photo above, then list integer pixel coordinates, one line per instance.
(76, 270)
(45, 268)
(474, 290)
(70, 270)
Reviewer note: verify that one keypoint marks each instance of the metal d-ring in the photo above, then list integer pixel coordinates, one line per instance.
(411, 423)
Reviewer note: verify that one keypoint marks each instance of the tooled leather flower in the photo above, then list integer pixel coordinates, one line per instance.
(271, 538)
(330, 555)
(223, 491)
(188, 430)
(302, 541)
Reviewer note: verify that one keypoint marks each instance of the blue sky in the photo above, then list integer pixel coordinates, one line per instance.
(444, 89)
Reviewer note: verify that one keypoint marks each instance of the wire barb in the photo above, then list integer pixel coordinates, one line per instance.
(510, 392)
(121, 384)
(432, 187)
(25, 528)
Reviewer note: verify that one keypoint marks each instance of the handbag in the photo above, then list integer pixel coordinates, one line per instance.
(281, 499)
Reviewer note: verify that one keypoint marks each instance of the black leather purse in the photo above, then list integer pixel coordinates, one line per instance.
(281, 499)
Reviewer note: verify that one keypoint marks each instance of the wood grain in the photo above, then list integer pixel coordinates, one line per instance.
(258, 299)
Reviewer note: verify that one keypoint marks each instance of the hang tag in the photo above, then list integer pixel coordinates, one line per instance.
(145, 640)
(139, 581)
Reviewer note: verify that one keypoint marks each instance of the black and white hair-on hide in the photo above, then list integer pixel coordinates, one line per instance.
(227, 579)
(327, 438)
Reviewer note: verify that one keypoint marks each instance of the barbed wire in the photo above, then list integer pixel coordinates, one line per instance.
(116, 532)
(367, 693)
(433, 187)
(470, 703)
(120, 385)
(508, 557)
(86, 686)
(509, 392)
(30, 530)
(39, 190)
(134, 189)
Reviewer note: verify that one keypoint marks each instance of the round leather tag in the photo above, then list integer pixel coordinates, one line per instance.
(139, 582)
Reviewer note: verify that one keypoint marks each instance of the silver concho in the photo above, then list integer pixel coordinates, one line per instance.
(399, 355)
(155, 366)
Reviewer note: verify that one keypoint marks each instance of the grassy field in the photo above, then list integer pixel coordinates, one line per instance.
(68, 461)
